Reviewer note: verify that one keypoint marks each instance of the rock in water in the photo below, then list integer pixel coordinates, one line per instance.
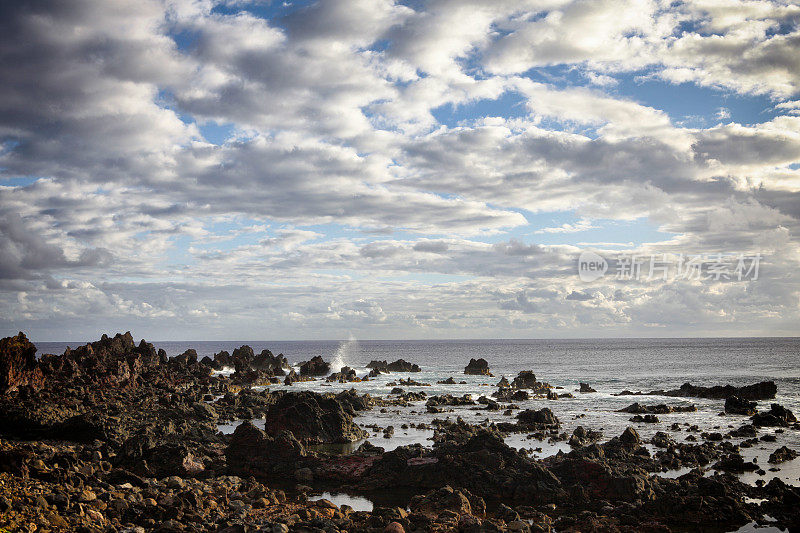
(401, 365)
(477, 367)
(18, 365)
(782, 454)
(542, 417)
(740, 406)
(777, 416)
(315, 367)
(314, 418)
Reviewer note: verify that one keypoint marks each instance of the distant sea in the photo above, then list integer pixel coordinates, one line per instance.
(608, 365)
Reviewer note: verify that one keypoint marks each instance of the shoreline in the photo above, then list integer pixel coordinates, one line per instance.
(132, 426)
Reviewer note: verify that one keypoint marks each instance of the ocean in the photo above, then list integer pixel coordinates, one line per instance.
(608, 365)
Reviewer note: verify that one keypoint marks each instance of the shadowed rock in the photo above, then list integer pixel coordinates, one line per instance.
(18, 365)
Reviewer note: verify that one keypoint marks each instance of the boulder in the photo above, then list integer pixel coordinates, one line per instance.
(314, 418)
(477, 367)
(542, 417)
(315, 367)
(527, 380)
(401, 365)
(777, 416)
(18, 364)
(740, 406)
(781, 455)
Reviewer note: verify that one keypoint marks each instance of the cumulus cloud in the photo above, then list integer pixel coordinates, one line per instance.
(199, 168)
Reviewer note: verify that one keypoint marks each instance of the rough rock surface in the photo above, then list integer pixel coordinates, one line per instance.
(315, 418)
(315, 367)
(477, 367)
(18, 365)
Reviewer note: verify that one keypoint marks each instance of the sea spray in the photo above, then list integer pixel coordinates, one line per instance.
(344, 352)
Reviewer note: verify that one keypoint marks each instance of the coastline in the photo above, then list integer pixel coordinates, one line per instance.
(114, 436)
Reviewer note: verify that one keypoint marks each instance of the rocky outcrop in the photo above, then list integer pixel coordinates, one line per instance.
(777, 416)
(764, 390)
(660, 409)
(527, 380)
(251, 452)
(401, 365)
(740, 406)
(18, 365)
(316, 366)
(460, 502)
(585, 388)
(315, 418)
(781, 455)
(542, 418)
(477, 367)
(345, 375)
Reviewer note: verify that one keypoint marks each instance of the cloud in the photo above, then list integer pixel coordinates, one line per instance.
(334, 199)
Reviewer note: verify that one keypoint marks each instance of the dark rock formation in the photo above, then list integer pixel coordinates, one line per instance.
(315, 418)
(315, 367)
(477, 367)
(401, 365)
(777, 416)
(660, 409)
(538, 418)
(345, 375)
(740, 406)
(18, 365)
(585, 388)
(764, 390)
(781, 455)
(527, 380)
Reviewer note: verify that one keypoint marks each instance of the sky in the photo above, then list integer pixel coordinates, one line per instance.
(221, 170)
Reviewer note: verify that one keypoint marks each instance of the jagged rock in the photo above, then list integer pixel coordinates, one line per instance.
(252, 452)
(661, 409)
(662, 440)
(764, 390)
(401, 365)
(541, 417)
(630, 437)
(18, 365)
(582, 437)
(503, 383)
(735, 463)
(739, 406)
(314, 418)
(527, 380)
(345, 375)
(777, 416)
(315, 367)
(585, 388)
(782, 454)
(445, 499)
(477, 367)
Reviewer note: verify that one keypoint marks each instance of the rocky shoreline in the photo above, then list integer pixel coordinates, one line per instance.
(116, 436)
